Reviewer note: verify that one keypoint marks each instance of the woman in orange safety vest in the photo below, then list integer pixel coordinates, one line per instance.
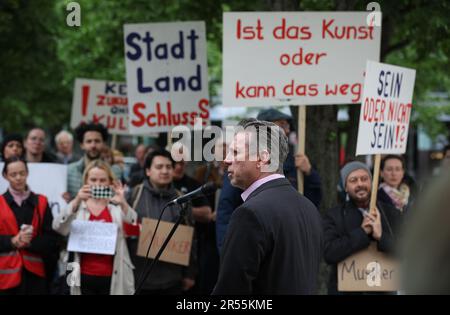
(26, 235)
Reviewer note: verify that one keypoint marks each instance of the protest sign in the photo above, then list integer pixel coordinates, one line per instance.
(178, 250)
(167, 75)
(296, 58)
(385, 109)
(385, 114)
(102, 102)
(92, 237)
(368, 270)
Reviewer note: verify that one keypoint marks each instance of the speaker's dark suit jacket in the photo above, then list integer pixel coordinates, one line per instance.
(273, 244)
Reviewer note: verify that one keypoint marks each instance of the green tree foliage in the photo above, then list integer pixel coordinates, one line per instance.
(30, 73)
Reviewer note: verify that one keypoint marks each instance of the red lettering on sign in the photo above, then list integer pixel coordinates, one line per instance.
(84, 99)
(254, 91)
(164, 115)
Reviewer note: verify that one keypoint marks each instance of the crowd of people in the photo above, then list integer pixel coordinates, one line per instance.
(256, 235)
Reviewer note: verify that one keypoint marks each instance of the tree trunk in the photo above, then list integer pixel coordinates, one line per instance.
(323, 150)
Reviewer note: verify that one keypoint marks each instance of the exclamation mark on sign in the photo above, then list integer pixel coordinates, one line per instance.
(396, 136)
(85, 99)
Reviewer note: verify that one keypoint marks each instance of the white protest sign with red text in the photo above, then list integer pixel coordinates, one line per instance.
(167, 75)
(301, 58)
(385, 109)
(102, 102)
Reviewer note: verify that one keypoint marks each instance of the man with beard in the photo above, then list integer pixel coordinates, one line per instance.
(92, 138)
(349, 228)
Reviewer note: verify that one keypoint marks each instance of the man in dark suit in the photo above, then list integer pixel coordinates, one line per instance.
(274, 241)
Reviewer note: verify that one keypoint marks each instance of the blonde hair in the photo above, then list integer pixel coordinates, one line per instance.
(101, 165)
(117, 153)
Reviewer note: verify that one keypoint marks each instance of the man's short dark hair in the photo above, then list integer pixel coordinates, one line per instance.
(149, 158)
(81, 130)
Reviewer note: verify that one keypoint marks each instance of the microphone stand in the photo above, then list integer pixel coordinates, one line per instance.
(183, 212)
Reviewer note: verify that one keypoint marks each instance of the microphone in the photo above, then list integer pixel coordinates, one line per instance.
(206, 189)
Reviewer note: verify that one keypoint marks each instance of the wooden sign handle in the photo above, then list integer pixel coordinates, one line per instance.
(301, 144)
(169, 141)
(376, 176)
(114, 142)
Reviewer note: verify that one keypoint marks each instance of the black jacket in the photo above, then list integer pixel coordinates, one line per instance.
(312, 184)
(383, 197)
(344, 235)
(273, 244)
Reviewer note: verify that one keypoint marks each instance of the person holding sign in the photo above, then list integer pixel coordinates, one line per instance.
(274, 240)
(350, 228)
(26, 235)
(100, 274)
(149, 199)
(394, 190)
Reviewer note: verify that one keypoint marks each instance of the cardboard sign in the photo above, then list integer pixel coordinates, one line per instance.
(385, 109)
(301, 58)
(92, 237)
(167, 75)
(368, 270)
(102, 102)
(178, 251)
(48, 179)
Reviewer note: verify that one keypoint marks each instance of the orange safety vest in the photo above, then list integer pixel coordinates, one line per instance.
(11, 263)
